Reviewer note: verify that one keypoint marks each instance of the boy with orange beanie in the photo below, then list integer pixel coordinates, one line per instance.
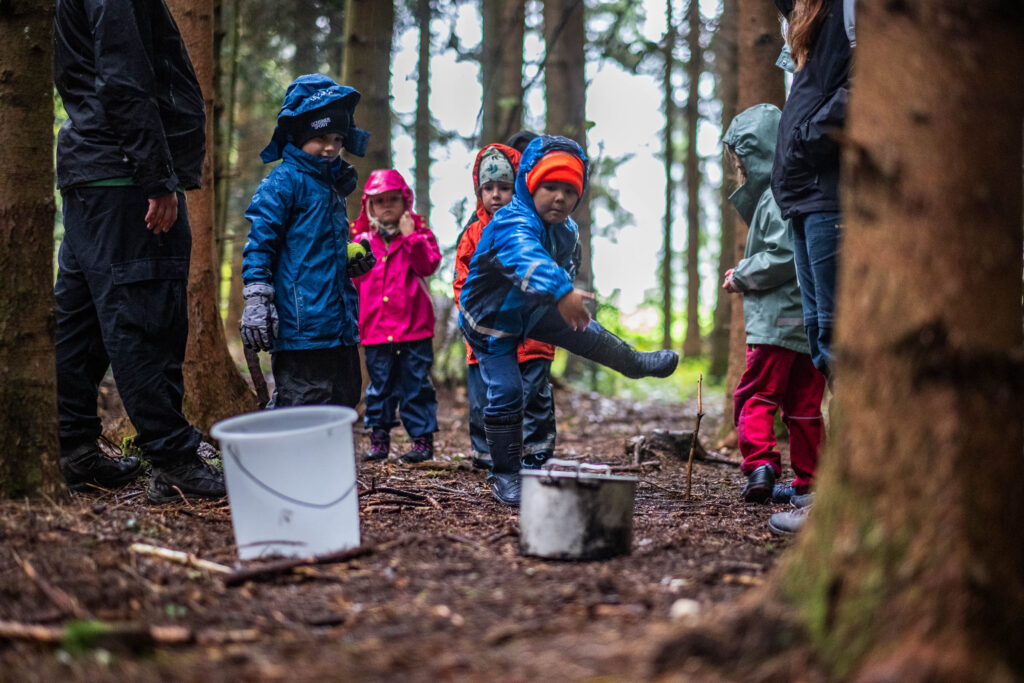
(520, 283)
(494, 175)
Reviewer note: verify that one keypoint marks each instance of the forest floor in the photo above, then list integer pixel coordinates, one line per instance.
(446, 595)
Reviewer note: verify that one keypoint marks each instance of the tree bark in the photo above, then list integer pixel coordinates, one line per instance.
(29, 449)
(912, 560)
(760, 42)
(368, 29)
(501, 68)
(424, 127)
(725, 62)
(668, 145)
(214, 389)
(565, 92)
(694, 67)
(230, 23)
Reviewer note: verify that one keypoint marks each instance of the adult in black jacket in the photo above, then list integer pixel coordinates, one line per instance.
(134, 140)
(805, 174)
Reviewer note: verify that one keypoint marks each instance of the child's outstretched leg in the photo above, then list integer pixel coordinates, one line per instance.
(601, 346)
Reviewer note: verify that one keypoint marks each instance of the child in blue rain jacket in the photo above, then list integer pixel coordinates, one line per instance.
(300, 302)
(520, 284)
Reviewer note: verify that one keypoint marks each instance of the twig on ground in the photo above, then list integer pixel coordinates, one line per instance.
(64, 602)
(396, 501)
(274, 569)
(102, 635)
(465, 541)
(696, 431)
(179, 557)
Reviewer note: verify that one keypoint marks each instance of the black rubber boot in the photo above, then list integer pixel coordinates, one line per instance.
(534, 461)
(505, 441)
(191, 478)
(616, 354)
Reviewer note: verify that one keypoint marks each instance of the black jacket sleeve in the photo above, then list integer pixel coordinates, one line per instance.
(125, 87)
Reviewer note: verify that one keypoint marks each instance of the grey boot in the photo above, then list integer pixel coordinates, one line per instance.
(616, 354)
(505, 441)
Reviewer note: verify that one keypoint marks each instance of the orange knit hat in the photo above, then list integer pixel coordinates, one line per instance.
(556, 166)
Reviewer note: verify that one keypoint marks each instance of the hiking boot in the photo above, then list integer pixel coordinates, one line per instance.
(802, 500)
(759, 486)
(788, 523)
(783, 493)
(422, 449)
(380, 446)
(88, 466)
(192, 478)
(616, 354)
(505, 440)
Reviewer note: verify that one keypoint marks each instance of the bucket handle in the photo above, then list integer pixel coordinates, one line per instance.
(578, 466)
(319, 506)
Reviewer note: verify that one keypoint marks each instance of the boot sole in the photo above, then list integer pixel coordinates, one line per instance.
(757, 494)
(127, 478)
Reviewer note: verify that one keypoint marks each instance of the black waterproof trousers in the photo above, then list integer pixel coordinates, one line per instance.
(121, 303)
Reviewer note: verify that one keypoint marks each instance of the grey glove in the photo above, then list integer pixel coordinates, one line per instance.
(361, 264)
(259, 319)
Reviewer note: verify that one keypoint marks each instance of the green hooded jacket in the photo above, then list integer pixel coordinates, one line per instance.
(766, 275)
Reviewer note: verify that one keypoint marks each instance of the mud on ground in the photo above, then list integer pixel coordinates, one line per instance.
(451, 599)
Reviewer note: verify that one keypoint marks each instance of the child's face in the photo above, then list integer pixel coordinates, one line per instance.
(326, 146)
(495, 195)
(554, 201)
(387, 207)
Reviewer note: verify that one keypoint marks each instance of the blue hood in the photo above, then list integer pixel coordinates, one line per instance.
(305, 94)
(533, 153)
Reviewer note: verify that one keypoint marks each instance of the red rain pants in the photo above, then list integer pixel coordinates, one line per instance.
(776, 378)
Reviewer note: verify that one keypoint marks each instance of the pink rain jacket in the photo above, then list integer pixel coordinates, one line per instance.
(394, 299)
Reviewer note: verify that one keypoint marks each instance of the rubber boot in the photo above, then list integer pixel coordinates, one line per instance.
(616, 354)
(505, 441)
(534, 461)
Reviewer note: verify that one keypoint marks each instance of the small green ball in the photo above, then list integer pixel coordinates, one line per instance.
(355, 250)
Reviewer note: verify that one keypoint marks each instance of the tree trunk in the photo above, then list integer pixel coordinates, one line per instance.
(725, 63)
(565, 92)
(912, 563)
(214, 389)
(28, 382)
(501, 68)
(368, 29)
(694, 67)
(668, 144)
(760, 43)
(424, 126)
(230, 24)
(336, 39)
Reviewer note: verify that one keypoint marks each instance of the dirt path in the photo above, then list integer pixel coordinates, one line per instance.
(452, 600)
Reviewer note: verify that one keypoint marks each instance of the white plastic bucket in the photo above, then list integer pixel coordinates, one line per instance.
(291, 480)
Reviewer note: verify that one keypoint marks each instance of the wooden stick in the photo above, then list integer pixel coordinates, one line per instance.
(179, 557)
(696, 431)
(273, 569)
(64, 602)
(104, 633)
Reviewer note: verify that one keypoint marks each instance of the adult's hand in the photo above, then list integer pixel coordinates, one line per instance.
(573, 310)
(162, 213)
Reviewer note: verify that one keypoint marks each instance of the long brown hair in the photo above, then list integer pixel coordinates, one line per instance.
(804, 22)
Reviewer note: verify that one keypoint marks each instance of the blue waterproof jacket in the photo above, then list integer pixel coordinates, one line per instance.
(298, 242)
(521, 265)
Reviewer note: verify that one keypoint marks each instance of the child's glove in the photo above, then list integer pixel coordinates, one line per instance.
(360, 263)
(259, 319)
